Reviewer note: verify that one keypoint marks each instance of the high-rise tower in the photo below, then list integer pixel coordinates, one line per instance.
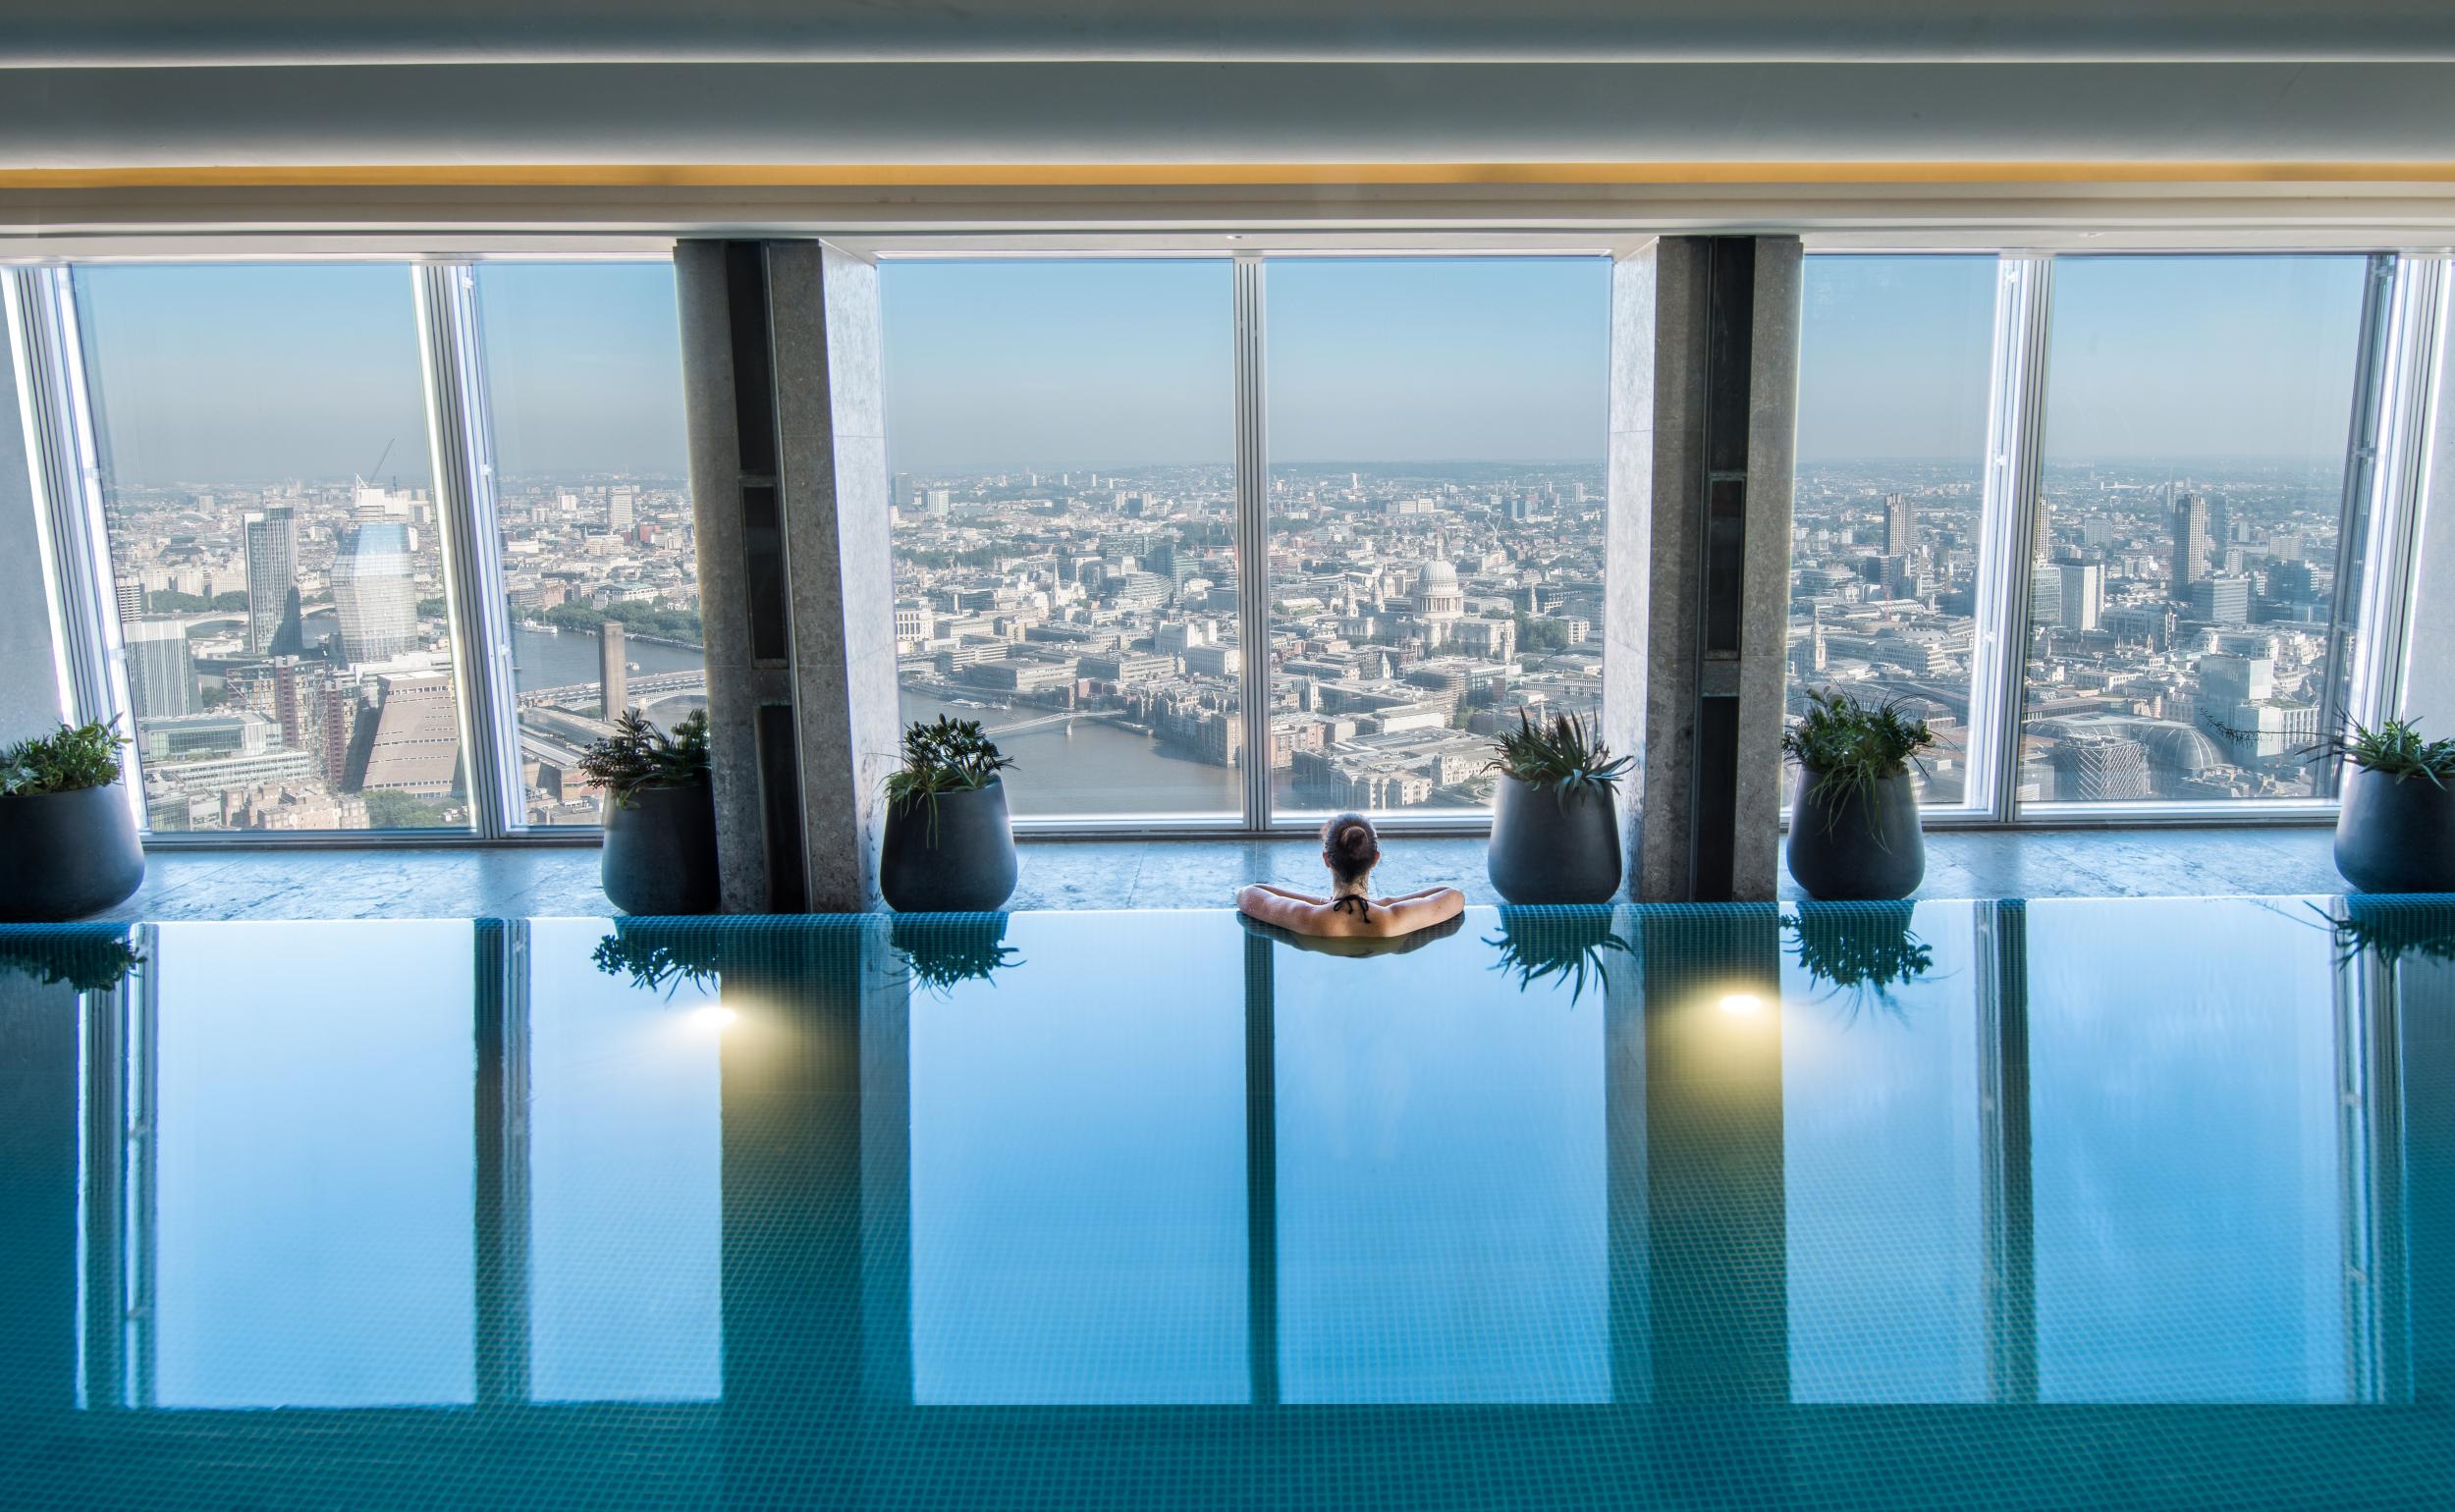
(272, 539)
(161, 672)
(374, 594)
(1900, 526)
(2190, 561)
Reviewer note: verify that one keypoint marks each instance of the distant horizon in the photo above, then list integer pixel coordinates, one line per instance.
(214, 370)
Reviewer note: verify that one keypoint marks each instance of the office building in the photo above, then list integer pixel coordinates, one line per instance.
(374, 594)
(273, 617)
(2190, 554)
(161, 672)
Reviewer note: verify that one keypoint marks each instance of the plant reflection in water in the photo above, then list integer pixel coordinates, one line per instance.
(89, 957)
(1568, 944)
(1861, 951)
(942, 949)
(2391, 929)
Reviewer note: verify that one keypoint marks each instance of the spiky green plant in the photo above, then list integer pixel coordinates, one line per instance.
(1848, 747)
(2394, 749)
(1561, 755)
(950, 755)
(638, 756)
(72, 757)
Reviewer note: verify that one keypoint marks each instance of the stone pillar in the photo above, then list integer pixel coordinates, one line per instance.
(1703, 388)
(781, 375)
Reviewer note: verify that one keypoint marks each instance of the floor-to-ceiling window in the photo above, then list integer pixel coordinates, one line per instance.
(1435, 498)
(2184, 600)
(275, 545)
(1060, 435)
(1887, 513)
(598, 546)
(2112, 554)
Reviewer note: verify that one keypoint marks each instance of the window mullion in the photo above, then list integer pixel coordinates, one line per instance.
(64, 463)
(461, 437)
(2409, 362)
(1252, 536)
(2015, 426)
(2357, 533)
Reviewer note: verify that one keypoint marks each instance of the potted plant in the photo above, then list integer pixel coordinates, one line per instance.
(1854, 821)
(660, 815)
(65, 826)
(2396, 828)
(950, 846)
(1555, 829)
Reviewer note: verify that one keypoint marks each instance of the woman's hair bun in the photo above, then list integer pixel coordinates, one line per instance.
(1352, 845)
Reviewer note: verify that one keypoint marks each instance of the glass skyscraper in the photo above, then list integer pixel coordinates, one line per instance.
(375, 593)
(273, 582)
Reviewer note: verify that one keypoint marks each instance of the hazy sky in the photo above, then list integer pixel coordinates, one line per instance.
(254, 374)
(2149, 357)
(258, 373)
(583, 366)
(1055, 364)
(2205, 357)
(1894, 357)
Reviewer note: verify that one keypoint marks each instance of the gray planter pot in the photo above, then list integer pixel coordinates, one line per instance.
(659, 851)
(1864, 846)
(2395, 836)
(68, 853)
(965, 866)
(1547, 848)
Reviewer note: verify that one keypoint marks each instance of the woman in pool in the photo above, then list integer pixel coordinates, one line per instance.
(1350, 849)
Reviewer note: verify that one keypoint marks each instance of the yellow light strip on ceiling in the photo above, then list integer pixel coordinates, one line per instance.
(1195, 175)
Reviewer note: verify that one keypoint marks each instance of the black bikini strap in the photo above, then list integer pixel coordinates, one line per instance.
(1363, 909)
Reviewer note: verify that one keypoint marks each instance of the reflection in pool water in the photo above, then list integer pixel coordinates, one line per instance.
(1859, 951)
(1154, 1210)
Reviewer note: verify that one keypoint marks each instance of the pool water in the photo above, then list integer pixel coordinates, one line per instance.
(2073, 1204)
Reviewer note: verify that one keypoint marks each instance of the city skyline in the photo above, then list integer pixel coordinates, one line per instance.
(1088, 609)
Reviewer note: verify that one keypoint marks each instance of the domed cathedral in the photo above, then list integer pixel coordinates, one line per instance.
(1440, 602)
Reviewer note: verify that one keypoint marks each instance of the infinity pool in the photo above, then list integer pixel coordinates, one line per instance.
(2137, 1204)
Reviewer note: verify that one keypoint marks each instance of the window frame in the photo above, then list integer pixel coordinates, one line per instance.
(2402, 351)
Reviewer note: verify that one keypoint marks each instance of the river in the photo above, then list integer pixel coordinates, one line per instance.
(1099, 769)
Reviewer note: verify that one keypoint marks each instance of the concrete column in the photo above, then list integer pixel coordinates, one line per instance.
(1703, 388)
(782, 375)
